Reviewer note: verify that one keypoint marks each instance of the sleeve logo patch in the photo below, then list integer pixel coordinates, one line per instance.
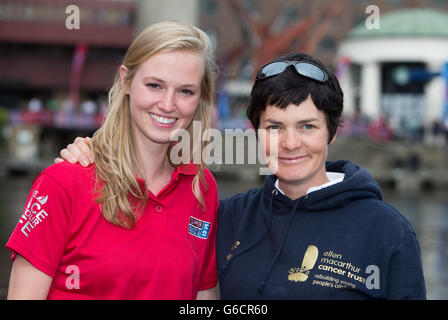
(33, 213)
(198, 228)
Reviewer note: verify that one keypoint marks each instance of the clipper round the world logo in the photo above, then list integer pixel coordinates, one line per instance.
(198, 228)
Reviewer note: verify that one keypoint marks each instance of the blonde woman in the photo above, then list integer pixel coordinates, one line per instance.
(133, 225)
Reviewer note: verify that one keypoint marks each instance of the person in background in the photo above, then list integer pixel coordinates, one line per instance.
(133, 225)
(315, 229)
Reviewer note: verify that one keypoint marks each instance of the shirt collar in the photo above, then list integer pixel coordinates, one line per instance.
(334, 177)
(188, 169)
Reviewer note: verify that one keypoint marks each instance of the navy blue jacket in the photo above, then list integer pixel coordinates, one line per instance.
(340, 242)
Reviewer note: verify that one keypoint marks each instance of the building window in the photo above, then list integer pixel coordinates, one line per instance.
(327, 44)
(250, 5)
(208, 7)
(439, 2)
(213, 35)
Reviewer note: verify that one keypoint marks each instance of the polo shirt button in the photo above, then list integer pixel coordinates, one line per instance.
(159, 209)
(229, 256)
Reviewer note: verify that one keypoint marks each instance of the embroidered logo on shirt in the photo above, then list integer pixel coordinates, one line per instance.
(33, 213)
(198, 228)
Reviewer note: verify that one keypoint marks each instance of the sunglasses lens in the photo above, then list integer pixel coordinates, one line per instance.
(303, 68)
(272, 69)
(310, 71)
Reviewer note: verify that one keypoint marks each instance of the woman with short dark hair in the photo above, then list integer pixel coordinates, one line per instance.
(315, 229)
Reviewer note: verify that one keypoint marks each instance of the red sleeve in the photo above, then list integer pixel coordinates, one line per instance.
(41, 233)
(209, 277)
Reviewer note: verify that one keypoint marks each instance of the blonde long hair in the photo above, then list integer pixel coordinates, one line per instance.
(113, 148)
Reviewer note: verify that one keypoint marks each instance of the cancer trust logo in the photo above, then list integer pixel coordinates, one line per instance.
(334, 270)
(34, 213)
(300, 274)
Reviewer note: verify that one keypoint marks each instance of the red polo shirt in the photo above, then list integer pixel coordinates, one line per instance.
(169, 254)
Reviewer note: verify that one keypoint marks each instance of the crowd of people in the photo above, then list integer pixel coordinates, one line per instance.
(380, 129)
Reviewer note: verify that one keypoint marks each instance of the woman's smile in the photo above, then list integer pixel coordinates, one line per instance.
(164, 122)
(292, 159)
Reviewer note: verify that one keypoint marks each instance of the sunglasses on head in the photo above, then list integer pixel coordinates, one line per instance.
(305, 69)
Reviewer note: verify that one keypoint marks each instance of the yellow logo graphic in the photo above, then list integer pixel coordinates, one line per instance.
(300, 274)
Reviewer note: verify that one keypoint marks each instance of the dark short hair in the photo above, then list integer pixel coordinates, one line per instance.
(289, 87)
